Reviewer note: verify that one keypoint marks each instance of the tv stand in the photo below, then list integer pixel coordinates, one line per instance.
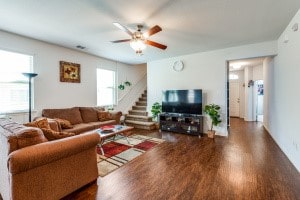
(181, 123)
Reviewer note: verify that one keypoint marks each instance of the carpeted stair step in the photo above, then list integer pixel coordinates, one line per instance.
(141, 125)
(139, 107)
(144, 95)
(139, 118)
(138, 112)
(141, 103)
(143, 99)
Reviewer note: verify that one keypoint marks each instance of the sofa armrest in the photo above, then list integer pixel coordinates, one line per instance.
(116, 115)
(41, 154)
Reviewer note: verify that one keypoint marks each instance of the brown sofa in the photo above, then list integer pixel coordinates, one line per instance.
(34, 168)
(83, 119)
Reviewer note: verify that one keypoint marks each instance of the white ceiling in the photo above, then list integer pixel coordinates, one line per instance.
(244, 63)
(189, 26)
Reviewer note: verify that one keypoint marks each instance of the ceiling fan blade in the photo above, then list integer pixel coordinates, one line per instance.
(151, 31)
(155, 44)
(123, 28)
(118, 41)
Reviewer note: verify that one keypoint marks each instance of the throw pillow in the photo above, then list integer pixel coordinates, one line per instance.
(54, 135)
(65, 124)
(104, 116)
(40, 123)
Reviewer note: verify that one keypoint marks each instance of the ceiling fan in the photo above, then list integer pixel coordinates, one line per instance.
(139, 40)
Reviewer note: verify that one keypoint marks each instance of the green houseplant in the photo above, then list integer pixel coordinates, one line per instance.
(212, 110)
(156, 110)
(122, 85)
(127, 83)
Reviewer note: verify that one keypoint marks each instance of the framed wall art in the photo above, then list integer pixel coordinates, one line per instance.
(69, 72)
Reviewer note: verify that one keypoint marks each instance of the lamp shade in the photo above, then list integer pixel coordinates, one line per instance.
(30, 75)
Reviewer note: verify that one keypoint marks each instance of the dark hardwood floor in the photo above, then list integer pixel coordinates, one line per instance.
(246, 165)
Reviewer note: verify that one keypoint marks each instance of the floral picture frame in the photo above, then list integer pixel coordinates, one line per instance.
(69, 72)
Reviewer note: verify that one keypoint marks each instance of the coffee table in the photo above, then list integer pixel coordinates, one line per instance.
(115, 130)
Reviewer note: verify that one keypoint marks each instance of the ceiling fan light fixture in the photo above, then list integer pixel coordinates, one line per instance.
(139, 52)
(139, 40)
(138, 45)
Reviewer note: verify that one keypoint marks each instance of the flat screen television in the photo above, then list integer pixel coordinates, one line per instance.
(182, 101)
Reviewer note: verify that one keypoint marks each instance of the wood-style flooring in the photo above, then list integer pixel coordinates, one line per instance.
(246, 165)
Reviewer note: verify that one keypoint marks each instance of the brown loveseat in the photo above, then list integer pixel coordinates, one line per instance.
(32, 167)
(83, 119)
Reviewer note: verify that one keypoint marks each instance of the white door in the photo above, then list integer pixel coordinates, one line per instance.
(234, 99)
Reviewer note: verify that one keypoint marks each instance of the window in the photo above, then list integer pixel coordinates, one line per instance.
(233, 76)
(13, 84)
(106, 90)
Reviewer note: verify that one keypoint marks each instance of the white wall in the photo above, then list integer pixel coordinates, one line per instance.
(257, 72)
(257, 101)
(49, 92)
(268, 69)
(284, 108)
(202, 70)
(242, 92)
(249, 115)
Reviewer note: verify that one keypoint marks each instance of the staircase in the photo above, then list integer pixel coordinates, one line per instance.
(138, 116)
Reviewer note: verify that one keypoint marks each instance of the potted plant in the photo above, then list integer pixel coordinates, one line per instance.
(121, 86)
(127, 83)
(212, 110)
(156, 110)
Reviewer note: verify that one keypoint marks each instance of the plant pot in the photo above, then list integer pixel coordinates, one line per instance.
(156, 125)
(211, 134)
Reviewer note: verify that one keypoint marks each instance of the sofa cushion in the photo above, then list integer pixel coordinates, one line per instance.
(80, 128)
(64, 123)
(19, 136)
(88, 114)
(104, 116)
(98, 124)
(54, 135)
(71, 114)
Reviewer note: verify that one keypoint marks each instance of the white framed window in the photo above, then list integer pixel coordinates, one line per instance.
(106, 87)
(13, 84)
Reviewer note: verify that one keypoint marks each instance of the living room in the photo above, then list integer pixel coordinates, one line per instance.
(205, 69)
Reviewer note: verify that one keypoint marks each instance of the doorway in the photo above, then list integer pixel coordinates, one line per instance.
(245, 89)
(259, 100)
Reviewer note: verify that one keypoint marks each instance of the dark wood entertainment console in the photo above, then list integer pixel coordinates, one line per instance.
(181, 123)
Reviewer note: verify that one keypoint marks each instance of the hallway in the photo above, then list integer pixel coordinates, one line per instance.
(258, 164)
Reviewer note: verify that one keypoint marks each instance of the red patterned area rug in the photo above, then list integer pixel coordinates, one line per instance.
(118, 152)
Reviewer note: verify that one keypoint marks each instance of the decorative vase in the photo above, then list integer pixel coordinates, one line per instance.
(211, 134)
